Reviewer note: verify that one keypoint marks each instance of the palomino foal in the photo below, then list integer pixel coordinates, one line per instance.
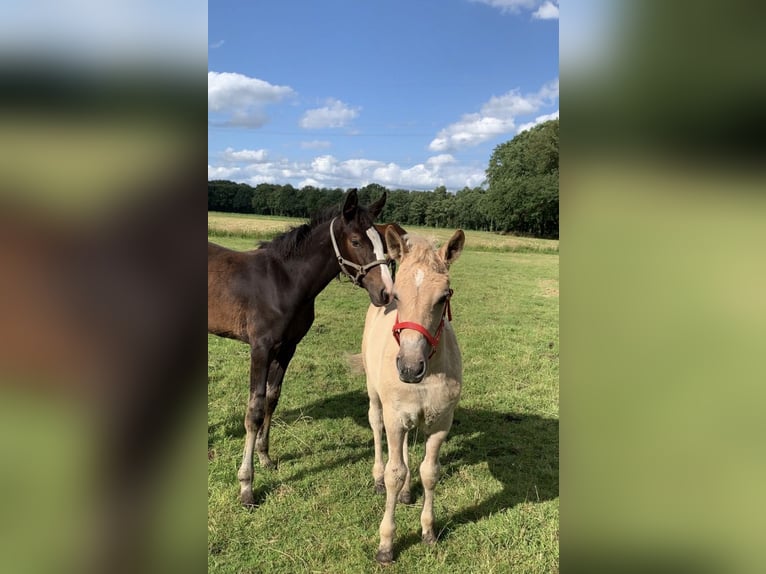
(414, 374)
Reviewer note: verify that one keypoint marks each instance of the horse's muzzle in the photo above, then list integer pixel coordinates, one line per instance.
(411, 372)
(383, 298)
(379, 298)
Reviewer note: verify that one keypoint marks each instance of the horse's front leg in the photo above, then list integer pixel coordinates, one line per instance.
(375, 416)
(405, 496)
(429, 475)
(395, 476)
(254, 418)
(273, 391)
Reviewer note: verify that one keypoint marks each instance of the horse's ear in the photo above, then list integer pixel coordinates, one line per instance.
(350, 205)
(397, 245)
(450, 251)
(376, 208)
(383, 227)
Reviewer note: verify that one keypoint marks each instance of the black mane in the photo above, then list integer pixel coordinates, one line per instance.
(290, 242)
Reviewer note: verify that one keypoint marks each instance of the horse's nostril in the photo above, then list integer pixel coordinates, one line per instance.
(384, 296)
(411, 373)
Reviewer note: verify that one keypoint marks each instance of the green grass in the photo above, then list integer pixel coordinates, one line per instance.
(497, 501)
(262, 228)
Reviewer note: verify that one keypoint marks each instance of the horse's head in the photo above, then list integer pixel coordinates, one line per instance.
(422, 294)
(360, 248)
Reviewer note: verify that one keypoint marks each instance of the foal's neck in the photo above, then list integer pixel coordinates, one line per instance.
(319, 266)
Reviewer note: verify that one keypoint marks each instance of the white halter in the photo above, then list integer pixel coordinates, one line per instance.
(361, 270)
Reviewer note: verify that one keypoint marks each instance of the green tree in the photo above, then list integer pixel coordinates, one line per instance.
(437, 212)
(312, 198)
(242, 201)
(397, 207)
(261, 198)
(418, 207)
(467, 209)
(523, 177)
(220, 195)
(371, 193)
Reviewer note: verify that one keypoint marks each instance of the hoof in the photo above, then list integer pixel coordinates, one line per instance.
(247, 499)
(380, 487)
(429, 538)
(385, 557)
(405, 497)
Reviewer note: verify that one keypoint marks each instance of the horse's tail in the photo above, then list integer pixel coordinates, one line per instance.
(356, 363)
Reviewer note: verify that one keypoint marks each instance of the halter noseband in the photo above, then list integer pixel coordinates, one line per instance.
(361, 270)
(433, 340)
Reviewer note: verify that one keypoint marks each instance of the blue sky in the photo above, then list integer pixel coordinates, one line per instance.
(342, 93)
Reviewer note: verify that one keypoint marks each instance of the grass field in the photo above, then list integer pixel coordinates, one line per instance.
(222, 225)
(497, 501)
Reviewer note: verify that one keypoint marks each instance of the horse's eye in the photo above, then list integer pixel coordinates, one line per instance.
(356, 243)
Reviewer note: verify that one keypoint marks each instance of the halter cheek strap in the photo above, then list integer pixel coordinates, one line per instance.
(361, 270)
(433, 340)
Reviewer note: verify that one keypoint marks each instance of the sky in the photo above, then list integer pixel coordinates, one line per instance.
(343, 93)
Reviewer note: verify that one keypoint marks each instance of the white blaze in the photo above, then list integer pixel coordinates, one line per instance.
(377, 246)
(419, 275)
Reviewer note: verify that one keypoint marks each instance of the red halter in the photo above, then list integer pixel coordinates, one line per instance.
(433, 340)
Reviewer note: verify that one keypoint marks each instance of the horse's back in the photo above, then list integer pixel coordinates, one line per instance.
(251, 291)
(227, 270)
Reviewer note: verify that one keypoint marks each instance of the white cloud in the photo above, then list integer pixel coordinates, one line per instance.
(308, 181)
(508, 5)
(513, 6)
(316, 144)
(497, 117)
(324, 164)
(537, 120)
(441, 159)
(221, 172)
(329, 171)
(238, 100)
(217, 44)
(243, 155)
(548, 11)
(335, 114)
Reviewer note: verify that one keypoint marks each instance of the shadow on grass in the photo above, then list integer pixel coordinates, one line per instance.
(521, 451)
(353, 405)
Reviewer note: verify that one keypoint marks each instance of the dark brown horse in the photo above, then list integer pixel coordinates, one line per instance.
(265, 298)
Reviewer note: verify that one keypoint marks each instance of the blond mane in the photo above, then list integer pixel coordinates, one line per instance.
(423, 250)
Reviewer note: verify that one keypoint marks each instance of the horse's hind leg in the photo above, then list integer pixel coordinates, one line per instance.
(273, 391)
(262, 438)
(256, 412)
(429, 474)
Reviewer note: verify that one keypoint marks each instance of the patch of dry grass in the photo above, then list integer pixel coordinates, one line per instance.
(266, 227)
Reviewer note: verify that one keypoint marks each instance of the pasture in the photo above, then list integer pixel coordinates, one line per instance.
(497, 502)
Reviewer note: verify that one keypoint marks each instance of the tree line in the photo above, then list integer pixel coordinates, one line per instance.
(521, 195)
